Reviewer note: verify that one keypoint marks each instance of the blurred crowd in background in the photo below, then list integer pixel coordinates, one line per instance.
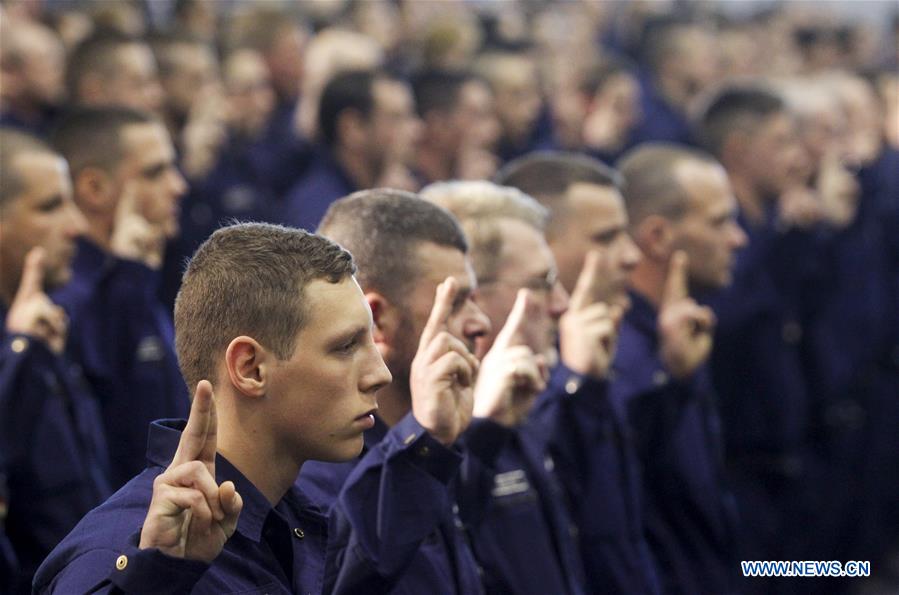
(275, 109)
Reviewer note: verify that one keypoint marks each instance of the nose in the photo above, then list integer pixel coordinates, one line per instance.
(77, 223)
(631, 254)
(177, 183)
(558, 301)
(376, 374)
(477, 324)
(738, 236)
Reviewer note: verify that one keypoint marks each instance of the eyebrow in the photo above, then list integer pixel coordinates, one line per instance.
(607, 234)
(349, 335)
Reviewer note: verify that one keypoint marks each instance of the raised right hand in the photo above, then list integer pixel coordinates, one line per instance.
(32, 312)
(190, 516)
(588, 331)
(133, 237)
(443, 373)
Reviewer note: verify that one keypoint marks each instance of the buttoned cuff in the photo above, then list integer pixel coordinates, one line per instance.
(425, 451)
(152, 572)
(567, 384)
(20, 346)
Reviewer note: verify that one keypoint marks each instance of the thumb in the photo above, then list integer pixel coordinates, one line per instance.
(676, 281)
(513, 331)
(127, 205)
(32, 281)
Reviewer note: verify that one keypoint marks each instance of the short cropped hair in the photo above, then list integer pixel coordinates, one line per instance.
(350, 90)
(92, 136)
(438, 90)
(480, 206)
(12, 144)
(735, 108)
(650, 184)
(250, 279)
(382, 228)
(97, 54)
(547, 176)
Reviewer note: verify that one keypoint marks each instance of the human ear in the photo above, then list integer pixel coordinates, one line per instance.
(385, 319)
(248, 366)
(654, 236)
(94, 191)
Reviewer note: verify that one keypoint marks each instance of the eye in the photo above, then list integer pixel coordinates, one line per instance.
(347, 347)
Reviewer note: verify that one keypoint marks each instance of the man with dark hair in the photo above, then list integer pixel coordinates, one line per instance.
(127, 186)
(683, 216)
(611, 93)
(112, 69)
(758, 362)
(460, 127)
(591, 437)
(676, 58)
(407, 246)
(52, 451)
(368, 130)
(296, 373)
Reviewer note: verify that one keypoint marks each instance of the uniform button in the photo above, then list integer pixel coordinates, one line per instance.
(791, 332)
(573, 530)
(548, 463)
(659, 377)
(424, 451)
(455, 509)
(409, 439)
(122, 562)
(572, 386)
(19, 344)
(298, 533)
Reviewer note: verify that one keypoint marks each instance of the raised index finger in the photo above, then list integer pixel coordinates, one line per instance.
(32, 281)
(440, 311)
(514, 331)
(588, 282)
(676, 282)
(198, 440)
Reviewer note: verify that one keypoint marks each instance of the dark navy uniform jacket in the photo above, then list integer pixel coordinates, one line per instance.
(515, 511)
(407, 495)
(690, 514)
(309, 199)
(591, 443)
(52, 450)
(293, 547)
(124, 341)
(661, 121)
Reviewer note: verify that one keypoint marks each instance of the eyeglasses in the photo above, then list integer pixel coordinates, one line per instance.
(544, 284)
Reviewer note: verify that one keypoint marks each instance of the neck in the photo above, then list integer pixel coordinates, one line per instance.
(255, 453)
(99, 232)
(673, 92)
(752, 204)
(648, 279)
(394, 403)
(356, 167)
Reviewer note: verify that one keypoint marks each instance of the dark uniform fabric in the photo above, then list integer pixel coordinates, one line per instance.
(690, 514)
(758, 370)
(323, 183)
(422, 545)
(513, 507)
(124, 340)
(592, 447)
(368, 535)
(52, 450)
(661, 121)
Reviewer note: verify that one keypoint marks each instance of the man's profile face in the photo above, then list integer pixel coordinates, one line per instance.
(149, 165)
(518, 101)
(44, 215)
(594, 217)
(775, 155)
(135, 83)
(525, 261)
(467, 322)
(475, 116)
(708, 233)
(395, 128)
(323, 394)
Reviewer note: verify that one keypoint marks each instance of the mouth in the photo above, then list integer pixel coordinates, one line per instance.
(366, 420)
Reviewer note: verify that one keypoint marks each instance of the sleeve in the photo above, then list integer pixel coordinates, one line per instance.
(131, 571)
(394, 498)
(22, 392)
(483, 441)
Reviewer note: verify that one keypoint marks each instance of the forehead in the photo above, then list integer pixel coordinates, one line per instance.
(146, 143)
(245, 67)
(391, 94)
(475, 92)
(333, 308)
(136, 58)
(706, 185)
(435, 263)
(42, 175)
(524, 248)
(595, 205)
